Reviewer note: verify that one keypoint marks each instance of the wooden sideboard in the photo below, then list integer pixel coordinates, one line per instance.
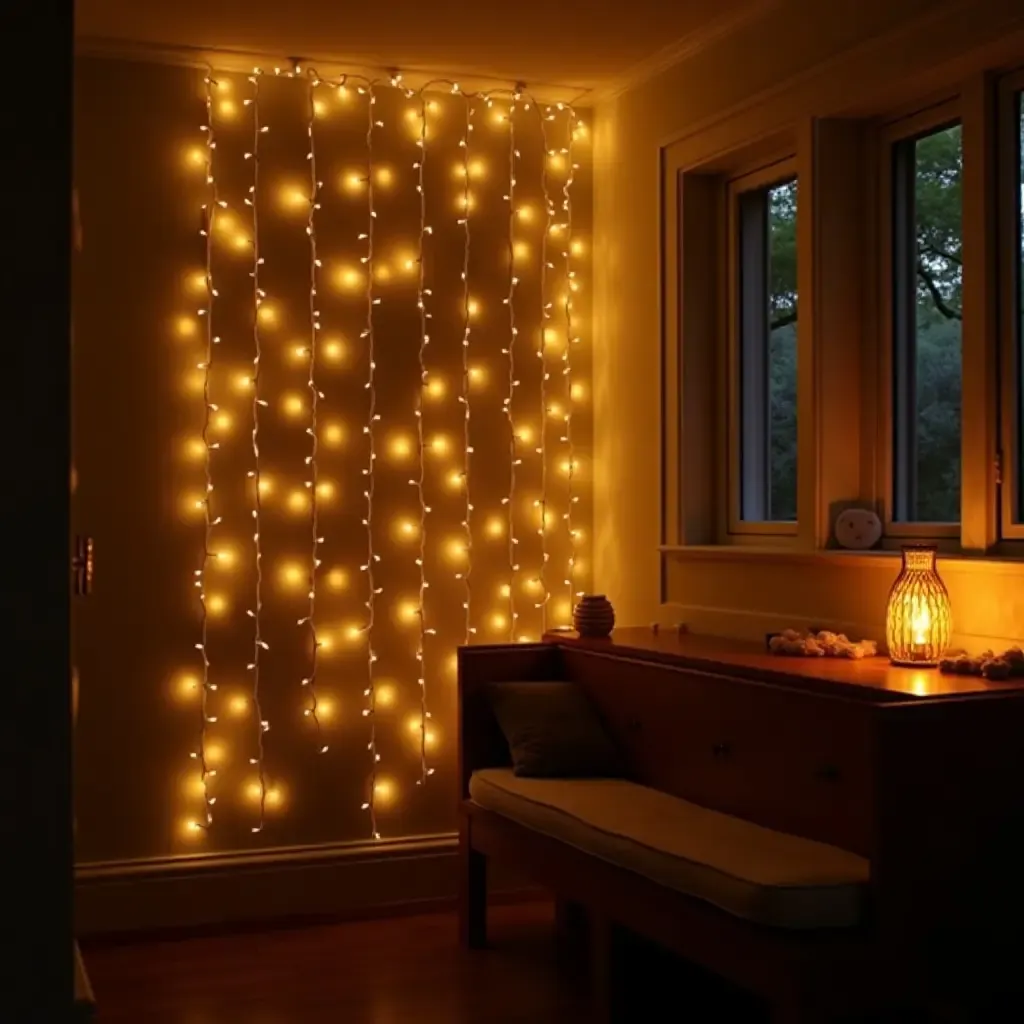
(919, 772)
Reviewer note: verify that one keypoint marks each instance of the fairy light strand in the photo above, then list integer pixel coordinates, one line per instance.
(467, 330)
(545, 376)
(570, 340)
(372, 557)
(255, 613)
(209, 215)
(510, 352)
(314, 397)
(422, 292)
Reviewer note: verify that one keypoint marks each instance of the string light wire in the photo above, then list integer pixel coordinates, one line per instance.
(422, 292)
(373, 417)
(510, 352)
(545, 376)
(209, 215)
(315, 394)
(570, 341)
(467, 330)
(255, 613)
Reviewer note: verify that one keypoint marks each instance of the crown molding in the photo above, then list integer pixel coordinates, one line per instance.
(326, 66)
(684, 49)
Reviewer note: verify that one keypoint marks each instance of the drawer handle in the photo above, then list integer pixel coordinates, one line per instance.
(828, 773)
(721, 749)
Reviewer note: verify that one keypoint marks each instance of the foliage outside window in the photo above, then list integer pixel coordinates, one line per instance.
(767, 316)
(927, 291)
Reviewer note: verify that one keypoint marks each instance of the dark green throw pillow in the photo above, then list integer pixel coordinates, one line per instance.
(553, 731)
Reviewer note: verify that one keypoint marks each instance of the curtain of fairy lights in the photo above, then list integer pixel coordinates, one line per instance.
(444, 614)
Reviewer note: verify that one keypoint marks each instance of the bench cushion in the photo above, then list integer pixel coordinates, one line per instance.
(756, 873)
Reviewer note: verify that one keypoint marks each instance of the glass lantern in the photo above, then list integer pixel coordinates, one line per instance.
(918, 623)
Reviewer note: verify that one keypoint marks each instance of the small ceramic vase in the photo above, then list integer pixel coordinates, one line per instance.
(594, 616)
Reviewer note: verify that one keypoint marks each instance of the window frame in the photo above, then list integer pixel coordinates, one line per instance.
(779, 171)
(1009, 106)
(890, 133)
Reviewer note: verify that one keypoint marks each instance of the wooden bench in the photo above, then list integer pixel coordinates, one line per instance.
(914, 773)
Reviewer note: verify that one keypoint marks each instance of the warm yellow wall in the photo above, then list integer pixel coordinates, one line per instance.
(801, 59)
(138, 416)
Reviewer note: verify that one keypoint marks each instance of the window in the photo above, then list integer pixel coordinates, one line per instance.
(926, 303)
(765, 363)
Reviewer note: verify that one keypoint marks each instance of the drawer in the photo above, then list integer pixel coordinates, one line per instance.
(788, 759)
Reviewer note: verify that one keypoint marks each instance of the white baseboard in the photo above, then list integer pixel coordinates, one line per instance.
(343, 879)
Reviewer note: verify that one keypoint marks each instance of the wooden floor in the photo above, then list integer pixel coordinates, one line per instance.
(395, 971)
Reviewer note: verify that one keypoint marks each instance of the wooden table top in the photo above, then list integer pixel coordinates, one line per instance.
(873, 679)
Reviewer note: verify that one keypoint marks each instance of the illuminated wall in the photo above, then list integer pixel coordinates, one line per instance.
(331, 421)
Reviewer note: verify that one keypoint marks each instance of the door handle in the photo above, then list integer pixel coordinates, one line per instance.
(82, 565)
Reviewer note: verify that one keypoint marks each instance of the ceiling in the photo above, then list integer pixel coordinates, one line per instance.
(572, 43)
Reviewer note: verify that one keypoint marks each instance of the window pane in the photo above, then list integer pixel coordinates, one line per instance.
(927, 292)
(767, 353)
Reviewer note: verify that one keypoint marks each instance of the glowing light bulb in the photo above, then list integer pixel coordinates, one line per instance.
(227, 109)
(524, 434)
(194, 449)
(195, 281)
(293, 575)
(333, 351)
(556, 161)
(225, 558)
(333, 435)
(325, 709)
(325, 491)
(353, 182)
(216, 605)
(336, 579)
(293, 406)
(576, 247)
(495, 527)
(320, 109)
(267, 315)
(239, 705)
(383, 177)
(267, 485)
(577, 392)
(385, 695)
(298, 501)
(186, 327)
(436, 388)
(293, 198)
(400, 447)
(473, 308)
(477, 376)
(384, 791)
(243, 383)
(298, 354)
(222, 421)
(407, 529)
(195, 157)
(520, 250)
(456, 549)
(439, 444)
(408, 611)
(499, 622)
(525, 214)
(349, 279)
(186, 685)
(504, 590)
(456, 479)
